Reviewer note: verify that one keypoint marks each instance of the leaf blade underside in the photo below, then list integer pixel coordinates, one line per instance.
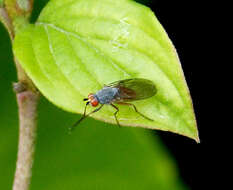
(78, 46)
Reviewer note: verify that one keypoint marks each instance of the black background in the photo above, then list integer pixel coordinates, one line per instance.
(188, 25)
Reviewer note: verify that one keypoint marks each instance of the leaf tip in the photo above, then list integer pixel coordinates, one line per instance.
(197, 139)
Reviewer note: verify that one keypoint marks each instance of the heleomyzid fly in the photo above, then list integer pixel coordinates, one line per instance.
(121, 92)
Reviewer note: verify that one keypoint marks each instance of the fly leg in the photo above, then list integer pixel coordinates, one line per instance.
(84, 116)
(115, 114)
(136, 110)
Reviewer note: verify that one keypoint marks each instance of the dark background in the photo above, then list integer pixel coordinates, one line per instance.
(187, 25)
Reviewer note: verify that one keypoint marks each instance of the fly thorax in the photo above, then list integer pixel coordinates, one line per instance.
(106, 95)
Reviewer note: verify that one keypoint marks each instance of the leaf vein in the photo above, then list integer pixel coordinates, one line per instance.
(52, 53)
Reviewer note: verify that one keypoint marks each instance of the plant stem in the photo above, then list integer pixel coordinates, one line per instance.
(14, 14)
(27, 104)
(5, 19)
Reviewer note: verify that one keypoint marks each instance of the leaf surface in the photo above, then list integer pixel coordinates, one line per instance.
(77, 46)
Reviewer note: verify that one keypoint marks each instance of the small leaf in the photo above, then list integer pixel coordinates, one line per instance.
(76, 47)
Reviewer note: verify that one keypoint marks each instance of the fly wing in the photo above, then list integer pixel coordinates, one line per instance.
(134, 89)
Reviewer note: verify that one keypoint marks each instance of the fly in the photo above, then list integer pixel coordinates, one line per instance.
(122, 93)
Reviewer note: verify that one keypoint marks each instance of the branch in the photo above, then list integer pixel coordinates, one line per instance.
(27, 104)
(5, 19)
(14, 14)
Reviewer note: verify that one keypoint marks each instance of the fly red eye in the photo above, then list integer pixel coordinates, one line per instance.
(92, 99)
(94, 102)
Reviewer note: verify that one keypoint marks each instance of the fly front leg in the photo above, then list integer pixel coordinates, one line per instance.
(136, 110)
(84, 116)
(115, 114)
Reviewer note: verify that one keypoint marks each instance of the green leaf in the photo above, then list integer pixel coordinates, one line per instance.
(76, 47)
(98, 156)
